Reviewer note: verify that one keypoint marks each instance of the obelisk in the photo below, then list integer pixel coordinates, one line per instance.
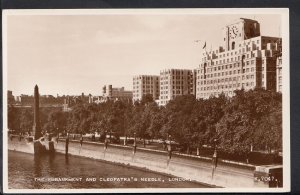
(36, 121)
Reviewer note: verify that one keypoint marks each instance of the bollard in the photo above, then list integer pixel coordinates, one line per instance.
(67, 145)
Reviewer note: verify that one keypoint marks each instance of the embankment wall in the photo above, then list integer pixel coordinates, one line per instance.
(194, 168)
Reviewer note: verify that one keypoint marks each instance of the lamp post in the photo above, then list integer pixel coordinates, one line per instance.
(134, 144)
(105, 141)
(57, 137)
(215, 151)
(125, 140)
(67, 144)
(214, 158)
(169, 147)
(81, 140)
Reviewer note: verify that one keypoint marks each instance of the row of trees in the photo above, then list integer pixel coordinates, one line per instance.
(251, 119)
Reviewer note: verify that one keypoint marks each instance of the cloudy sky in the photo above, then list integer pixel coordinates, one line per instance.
(70, 54)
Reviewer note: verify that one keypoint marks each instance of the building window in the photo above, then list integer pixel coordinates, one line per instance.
(233, 45)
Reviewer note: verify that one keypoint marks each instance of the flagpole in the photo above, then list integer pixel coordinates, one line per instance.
(201, 51)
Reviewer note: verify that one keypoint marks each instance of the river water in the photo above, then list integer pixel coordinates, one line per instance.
(27, 171)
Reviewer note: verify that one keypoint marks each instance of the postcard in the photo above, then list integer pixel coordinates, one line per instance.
(146, 100)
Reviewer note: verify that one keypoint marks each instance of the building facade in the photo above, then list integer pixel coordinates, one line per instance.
(145, 84)
(279, 74)
(10, 97)
(245, 60)
(176, 82)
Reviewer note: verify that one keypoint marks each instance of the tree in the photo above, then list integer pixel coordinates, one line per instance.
(26, 120)
(249, 121)
(13, 118)
(57, 121)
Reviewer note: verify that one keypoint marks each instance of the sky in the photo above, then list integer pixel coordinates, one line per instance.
(71, 54)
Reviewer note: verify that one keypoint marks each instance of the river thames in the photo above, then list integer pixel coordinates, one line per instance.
(27, 171)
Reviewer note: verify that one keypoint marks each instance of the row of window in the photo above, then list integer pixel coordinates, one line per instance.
(138, 96)
(241, 51)
(146, 77)
(236, 85)
(172, 82)
(146, 86)
(244, 77)
(225, 67)
(168, 72)
(226, 73)
(163, 102)
(279, 71)
(202, 95)
(279, 80)
(175, 92)
(164, 97)
(146, 91)
(145, 82)
(246, 43)
(236, 52)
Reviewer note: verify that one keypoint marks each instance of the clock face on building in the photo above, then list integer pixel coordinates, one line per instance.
(233, 32)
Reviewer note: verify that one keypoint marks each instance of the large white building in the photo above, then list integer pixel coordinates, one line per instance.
(176, 82)
(145, 84)
(245, 60)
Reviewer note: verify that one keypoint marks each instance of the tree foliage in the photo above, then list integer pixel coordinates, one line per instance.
(251, 119)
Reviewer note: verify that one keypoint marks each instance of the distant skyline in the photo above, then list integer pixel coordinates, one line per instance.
(71, 54)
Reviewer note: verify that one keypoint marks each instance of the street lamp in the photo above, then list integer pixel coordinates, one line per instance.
(125, 140)
(169, 147)
(105, 141)
(134, 144)
(67, 144)
(57, 135)
(215, 151)
(214, 158)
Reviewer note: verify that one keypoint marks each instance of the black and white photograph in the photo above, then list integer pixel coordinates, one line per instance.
(139, 100)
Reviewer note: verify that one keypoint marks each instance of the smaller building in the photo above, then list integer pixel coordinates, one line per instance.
(110, 93)
(26, 100)
(176, 82)
(10, 97)
(144, 85)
